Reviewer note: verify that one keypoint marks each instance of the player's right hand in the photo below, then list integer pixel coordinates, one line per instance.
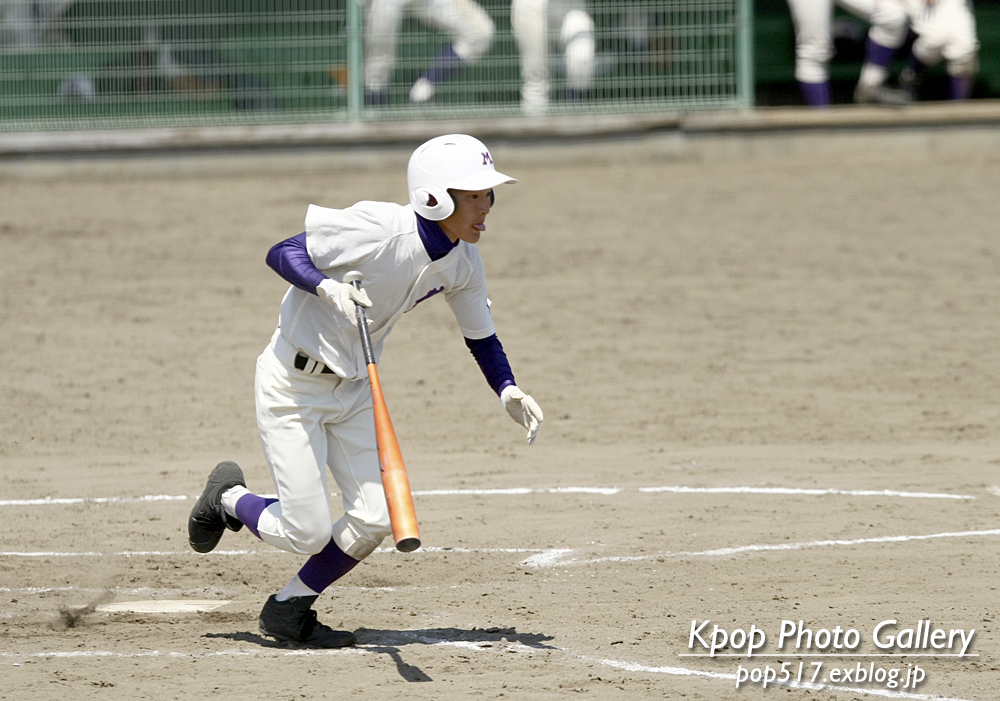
(344, 297)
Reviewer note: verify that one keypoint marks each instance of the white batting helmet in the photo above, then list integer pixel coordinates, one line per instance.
(450, 162)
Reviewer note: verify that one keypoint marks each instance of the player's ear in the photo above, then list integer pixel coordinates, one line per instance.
(431, 200)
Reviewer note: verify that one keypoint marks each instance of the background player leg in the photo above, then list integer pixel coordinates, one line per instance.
(946, 30)
(813, 48)
(889, 25)
(577, 38)
(382, 25)
(472, 31)
(529, 21)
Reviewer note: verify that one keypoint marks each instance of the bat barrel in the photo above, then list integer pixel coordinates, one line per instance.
(407, 545)
(395, 482)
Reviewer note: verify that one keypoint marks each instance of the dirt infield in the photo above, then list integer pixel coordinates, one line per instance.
(771, 394)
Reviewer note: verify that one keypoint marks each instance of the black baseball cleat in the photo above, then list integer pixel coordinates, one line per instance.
(294, 621)
(881, 95)
(208, 520)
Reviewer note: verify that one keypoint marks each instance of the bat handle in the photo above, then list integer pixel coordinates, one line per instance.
(355, 277)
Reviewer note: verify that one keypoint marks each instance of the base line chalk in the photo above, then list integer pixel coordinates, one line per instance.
(519, 491)
(806, 492)
(544, 557)
(275, 551)
(557, 558)
(478, 647)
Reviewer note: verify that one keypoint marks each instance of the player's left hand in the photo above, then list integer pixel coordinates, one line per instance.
(523, 409)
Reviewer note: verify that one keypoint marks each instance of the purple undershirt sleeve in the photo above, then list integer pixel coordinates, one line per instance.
(492, 361)
(290, 259)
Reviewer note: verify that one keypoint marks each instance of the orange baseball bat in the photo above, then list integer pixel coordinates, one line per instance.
(395, 482)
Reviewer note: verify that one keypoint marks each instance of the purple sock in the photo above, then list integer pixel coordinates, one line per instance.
(878, 54)
(249, 507)
(445, 66)
(960, 86)
(816, 94)
(326, 567)
(377, 99)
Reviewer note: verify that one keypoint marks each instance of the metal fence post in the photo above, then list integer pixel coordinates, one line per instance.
(744, 54)
(355, 61)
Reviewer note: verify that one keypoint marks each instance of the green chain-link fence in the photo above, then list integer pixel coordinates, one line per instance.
(76, 64)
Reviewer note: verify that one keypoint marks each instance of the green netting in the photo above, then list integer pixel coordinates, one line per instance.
(68, 64)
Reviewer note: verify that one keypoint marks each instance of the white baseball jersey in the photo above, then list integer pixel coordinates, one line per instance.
(380, 240)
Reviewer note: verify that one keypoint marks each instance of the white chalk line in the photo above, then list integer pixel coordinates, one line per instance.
(807, 492)
(63, 501)
(516, 491)
(557, 558)
(128, 553)
(133, 591)
(275, 551)
(162, 593)
(369, 648)
(481, 646)
(544, 557)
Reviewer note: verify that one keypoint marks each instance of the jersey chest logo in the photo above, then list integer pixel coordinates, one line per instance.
(430, 294)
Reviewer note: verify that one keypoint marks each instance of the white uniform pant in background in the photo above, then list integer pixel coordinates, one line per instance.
(466, 22)
(813, 21)
(538, 24)
(308, 422)
(946, 30)
(30, 22)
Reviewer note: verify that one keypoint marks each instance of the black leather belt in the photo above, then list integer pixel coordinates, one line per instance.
(301, 361)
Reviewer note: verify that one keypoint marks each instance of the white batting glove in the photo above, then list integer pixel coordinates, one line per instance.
(344, 297)
(523, 409)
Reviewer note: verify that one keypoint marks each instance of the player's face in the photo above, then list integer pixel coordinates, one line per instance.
(468, 221)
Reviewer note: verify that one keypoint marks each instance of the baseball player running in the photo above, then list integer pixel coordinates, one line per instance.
(536, 25)
(470, 27)
(814, 48)
(946, 31)
(314, 404)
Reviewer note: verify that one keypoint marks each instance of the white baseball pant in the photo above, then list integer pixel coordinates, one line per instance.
(813, 21)
(465, 21)
(308, 423)
(536, 25)
(946, 29)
